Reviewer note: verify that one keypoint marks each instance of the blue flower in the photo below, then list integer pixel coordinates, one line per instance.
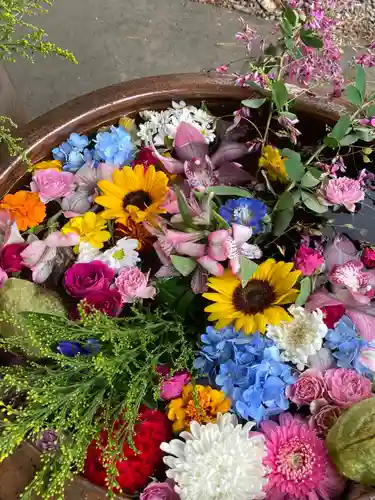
(73, 153)
(71, 349)
(346, 345)
(115, 146)
(245, 211)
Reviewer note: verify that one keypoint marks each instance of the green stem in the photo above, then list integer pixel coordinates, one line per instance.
(317, 153)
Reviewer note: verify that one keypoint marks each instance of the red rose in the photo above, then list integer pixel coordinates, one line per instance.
(368, 257)
(84, 278)
(10, 258)
(332, 314)
(134, 470)
(145, 157)
(109, 302)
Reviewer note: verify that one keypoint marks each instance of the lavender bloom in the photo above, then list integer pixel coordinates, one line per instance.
(48, 442)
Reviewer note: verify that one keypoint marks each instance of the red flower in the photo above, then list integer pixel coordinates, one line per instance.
(332, 314)
(368, 257)
(134, 470)
(146, 157)
(10, 258)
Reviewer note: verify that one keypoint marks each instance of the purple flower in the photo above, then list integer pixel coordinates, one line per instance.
(70, 349)
(82, 279)
(48, 441)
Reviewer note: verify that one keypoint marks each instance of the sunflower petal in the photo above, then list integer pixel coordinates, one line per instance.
(288, 297)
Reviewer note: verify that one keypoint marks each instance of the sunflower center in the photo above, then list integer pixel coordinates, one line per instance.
(139, 199)
(256, 296)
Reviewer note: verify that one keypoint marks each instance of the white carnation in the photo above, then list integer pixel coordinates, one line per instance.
(300, 338)
(218, 461)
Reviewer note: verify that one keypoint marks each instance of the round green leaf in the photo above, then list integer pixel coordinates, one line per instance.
(253, 103)
(282, 221)
(184, 265)
(286, 201)
(311, 202)
(309, 181)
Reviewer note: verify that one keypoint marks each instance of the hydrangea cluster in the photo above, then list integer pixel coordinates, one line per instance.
(249, 370)
(73, 153)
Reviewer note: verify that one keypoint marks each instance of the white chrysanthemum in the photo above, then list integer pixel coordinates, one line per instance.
(217, 461)
(159, 126)
(122, 255)
(300, 338)
(87, 253)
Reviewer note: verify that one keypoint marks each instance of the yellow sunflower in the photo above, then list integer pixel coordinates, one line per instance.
(134, 194)
(257, 304)
(273, 163)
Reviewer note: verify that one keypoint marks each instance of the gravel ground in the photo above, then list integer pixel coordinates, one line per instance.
(357, 17)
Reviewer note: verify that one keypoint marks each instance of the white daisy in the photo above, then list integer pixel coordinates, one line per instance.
(87, 253)
(217, 461)
(300, 338)
(122, 255)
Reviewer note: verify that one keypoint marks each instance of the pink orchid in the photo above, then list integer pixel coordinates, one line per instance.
(40, 255)
(201, 171)
(229, 245)
(351, 286)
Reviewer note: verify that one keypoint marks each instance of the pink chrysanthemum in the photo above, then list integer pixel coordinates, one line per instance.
(298, 462)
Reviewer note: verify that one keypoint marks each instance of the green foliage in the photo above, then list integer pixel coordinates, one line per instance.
(247, 269)
(13, 144)
(293, 164)
(184, 265)
(253, 103)
(279, 95)
(79, 396)
(305, 290)
(282, 220)
(310, 39)
(32, 38)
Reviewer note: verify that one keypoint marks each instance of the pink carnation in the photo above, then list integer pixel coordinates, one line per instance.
(52, 185)
(346, 387)
(309, 387)
(133, 284)
(342, 191)
(298, 462)
(368, 257)
(171, 387)
(307, 260)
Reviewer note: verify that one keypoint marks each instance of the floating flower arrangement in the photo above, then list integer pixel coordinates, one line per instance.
(190, 320)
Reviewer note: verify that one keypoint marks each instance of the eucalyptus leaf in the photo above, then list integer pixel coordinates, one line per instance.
(312, 202)
(316, 172)
(184, 265)
(305, 290)
(282, 221)
(229, 191)
(360, 80)
(341, 128)
(253, 103)
(349, 139)
(279, 94)
(286, 201)
(353, 95)
(247, 269)
(351, 442)
(309, 181)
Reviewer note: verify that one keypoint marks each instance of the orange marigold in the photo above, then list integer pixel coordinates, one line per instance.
(25, 208)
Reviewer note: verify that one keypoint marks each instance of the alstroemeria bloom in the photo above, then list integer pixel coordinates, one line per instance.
(229, 245)
(9, 232)
(351, 286)
(40, 255)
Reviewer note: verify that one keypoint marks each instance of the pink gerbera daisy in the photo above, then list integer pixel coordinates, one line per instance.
(298, 462)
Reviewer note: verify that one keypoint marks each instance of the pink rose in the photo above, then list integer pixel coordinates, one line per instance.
(323, 416)
(368, 257)
(82, 279)
(309, 386)
(52, 185)
(342, 191)
(307, 260)
(159, 491)
(133, 284)
(347, 387)
(171, 387)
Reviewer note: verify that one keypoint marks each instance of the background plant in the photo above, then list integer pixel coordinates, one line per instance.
(20, 37)
(78, 396)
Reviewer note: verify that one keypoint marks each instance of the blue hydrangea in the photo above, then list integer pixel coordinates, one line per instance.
(245, 211)
(248, 370)
(73, 153)
(346, 345)
(115, 146)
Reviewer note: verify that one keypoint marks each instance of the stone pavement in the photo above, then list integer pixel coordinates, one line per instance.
(117, 40)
